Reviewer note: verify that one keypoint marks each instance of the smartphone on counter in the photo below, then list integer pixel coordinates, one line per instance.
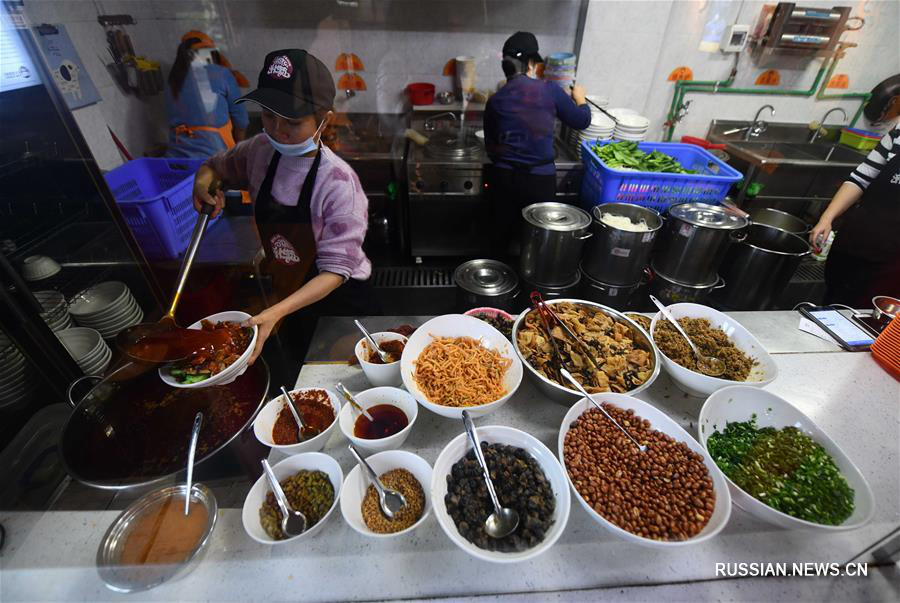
(844, 331)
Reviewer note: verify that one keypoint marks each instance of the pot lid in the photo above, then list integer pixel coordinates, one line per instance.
(556, 216)
(707, 216)
(486, 277)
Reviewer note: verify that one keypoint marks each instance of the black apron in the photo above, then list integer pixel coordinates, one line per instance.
(865, 258)
(871, 229)
(287, 237)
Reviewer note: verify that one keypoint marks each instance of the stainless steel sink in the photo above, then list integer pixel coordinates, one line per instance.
(826, 156)
(775, 132)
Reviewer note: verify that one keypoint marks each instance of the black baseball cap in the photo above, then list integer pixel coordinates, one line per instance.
(522, 45)
(293, 84)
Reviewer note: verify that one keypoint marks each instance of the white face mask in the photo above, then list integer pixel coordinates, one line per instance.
(297, 149)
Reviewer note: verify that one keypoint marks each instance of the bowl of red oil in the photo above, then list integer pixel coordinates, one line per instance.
(393, 413)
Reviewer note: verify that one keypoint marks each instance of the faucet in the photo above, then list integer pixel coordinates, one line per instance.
(758, 126)
(821, 125)
(430, 126)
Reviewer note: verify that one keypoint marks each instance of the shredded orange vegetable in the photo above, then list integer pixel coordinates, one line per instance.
(459, 371)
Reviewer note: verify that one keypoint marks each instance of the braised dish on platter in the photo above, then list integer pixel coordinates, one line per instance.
(621, 363)
(204, 365)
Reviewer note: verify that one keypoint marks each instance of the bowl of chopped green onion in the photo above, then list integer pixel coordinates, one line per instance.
(779, 465)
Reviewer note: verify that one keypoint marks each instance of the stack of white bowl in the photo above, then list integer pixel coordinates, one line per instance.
(16, 379)
(39, 267)
(87, 348)
(56, 311)
(601, 127)
(107, 307)
(631, 126)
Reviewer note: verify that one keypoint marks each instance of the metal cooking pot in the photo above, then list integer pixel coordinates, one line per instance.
(671, 291)
(885, 306)
(758, 269)
(556, 292)
(779, 219)
(615, 256)
(131, 429)
(694, 241)
(482, 283)
(553, 236)
(614, 296)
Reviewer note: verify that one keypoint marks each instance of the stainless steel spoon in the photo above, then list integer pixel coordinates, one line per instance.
(584, 393)
(192, 449)
(349, 397)
(389, 500)
(301, 426)
(503, 521)
(385, 357)
(708, 365)
(293, 522)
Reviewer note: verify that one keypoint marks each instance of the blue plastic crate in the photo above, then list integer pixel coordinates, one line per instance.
(156, 200)
(659, 191)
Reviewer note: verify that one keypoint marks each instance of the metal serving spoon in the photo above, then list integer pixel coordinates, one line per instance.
(389, 500)
(385, 357)
(349, 397)
(303, 430)
(708, 365)
(584, 393)
(192, 449)
(293, 522)
(503, 521)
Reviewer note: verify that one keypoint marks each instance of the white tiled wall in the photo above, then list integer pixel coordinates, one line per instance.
(628, 50)
(631, 46)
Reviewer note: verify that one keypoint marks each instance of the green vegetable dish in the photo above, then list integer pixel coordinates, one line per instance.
(625, 155)
(784, 468)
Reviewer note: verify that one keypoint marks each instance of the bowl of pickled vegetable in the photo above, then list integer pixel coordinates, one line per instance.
(779, 465)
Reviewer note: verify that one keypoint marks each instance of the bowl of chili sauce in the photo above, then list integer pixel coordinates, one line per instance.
(394, 411)
(318, 408)
(378, 372)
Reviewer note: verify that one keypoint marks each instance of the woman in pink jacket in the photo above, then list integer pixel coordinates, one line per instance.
(305, 197)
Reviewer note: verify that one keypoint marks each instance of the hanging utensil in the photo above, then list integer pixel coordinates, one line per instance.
(708, 365)
(389, 500)
(304, 431)
(548, 316)
(192, 449)
(504, 520)
(293, 522)
(349, 397)
(165, 341)
(385, 357)
(584, 393)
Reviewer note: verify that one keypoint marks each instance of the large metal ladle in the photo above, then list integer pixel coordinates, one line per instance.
(708, 365)
(156, 341)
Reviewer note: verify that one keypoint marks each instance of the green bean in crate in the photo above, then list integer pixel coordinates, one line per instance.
(626, 155)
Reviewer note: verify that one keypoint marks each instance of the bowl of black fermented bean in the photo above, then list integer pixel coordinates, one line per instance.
(779, 465)
(670, 495)
(526, 476)
(312, 481)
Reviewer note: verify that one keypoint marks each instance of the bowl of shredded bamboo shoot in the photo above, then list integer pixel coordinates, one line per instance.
(455, 362)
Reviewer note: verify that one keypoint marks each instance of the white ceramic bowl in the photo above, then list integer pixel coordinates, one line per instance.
(265, 421)
(738, 403)
(112, 316)
(372, 397)
(39, 267)
(458, 325)
(357, 483)
(498, 434)
(697, 384)
(379, 374)
(232, 372)
(660, 422)
(81, 342)
(97, 299)
(311, 461)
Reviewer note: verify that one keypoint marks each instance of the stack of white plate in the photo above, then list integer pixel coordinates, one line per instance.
(56, 311)
(16, 378)
(631, 126)
(88, 349)
(107, 307)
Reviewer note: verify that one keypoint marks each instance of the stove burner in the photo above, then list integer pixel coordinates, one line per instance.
(446, 146)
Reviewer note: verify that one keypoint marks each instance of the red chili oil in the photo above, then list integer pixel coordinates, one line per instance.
(389, 420)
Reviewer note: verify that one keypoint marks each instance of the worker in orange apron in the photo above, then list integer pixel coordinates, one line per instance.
(202, 88)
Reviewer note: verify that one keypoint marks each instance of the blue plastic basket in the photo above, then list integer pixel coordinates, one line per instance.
(659, 191)
(155, 197)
